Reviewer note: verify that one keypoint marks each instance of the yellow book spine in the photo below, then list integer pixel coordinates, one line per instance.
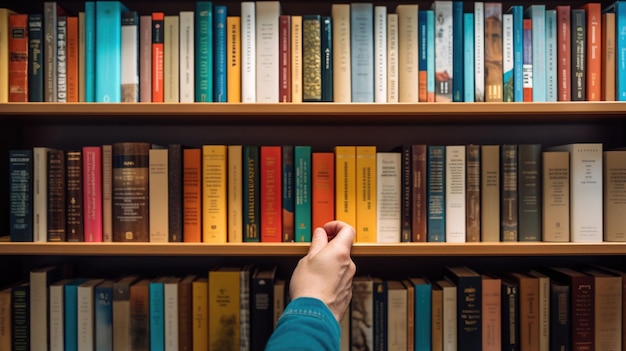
(345, 184)
(214, 192)
(233, 47)
(200, 307)
(224, 308)
(366, 194)
(296, 59)
(4, 54)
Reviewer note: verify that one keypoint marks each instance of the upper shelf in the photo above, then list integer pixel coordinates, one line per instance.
(300, 249)
(320, 112)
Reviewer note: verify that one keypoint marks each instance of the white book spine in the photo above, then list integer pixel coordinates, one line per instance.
(170, 62)
(380, 54)
(40, 196)
(57, 320)
(392, 57)
(479, 51)
(107, 193)
(449, 319)
(248, 51)
(130, 62)
(507, 44)
(235, 193)
(296, 59)
(186, 59)
(388, 187)
(86, 325)
(342, 91)
(267, 44)
(408, 53)
(159, 226)
(170, 294)
(455, 193)
(397, 319)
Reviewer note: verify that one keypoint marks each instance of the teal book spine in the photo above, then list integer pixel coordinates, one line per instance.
(104, 316)
(468, 56)
(157, 316)
(458, 52)
(90, 49)
(21, 195)
(220, 89)
(327, 59)
(362, 51)
(537, 14)
(436, 193)
(302, 165)
(423, 315)
(518, 52)
(71, 314)
(108, 82)
(204, 51)
(620, 20)
(430, 58)
(289, 180)
(251, 194)
(551, 56)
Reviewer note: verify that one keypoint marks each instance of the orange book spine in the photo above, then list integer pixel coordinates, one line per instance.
(18, 58)
(323, 188)
(72, 59)
(271, 194)
(158, 19)
(594, 50)
(423, 90)
(192, 192)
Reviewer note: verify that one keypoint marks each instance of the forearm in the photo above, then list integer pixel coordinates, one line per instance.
(306, 324)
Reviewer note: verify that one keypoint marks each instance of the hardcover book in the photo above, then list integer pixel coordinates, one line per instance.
(235, 193)
(175, 192)
(289, 193)
(527, 61)
(311, 58)
(285, 71)
(122, 312)
(510, 315)
(251, 194)
(490, 180)
(57, 214)
(578, 45)
(366, 194)
(20, 317)
(537, 14)
(458, 51)
(614, 189)
(73, 78)
(108, 58)
(560, 316)
(449, 320)
(261, 307)
(479, 51)
(455, 193)
(103, 315)
(92, 193)
(327, 59)
(192, 195)
(171, 65)
(508, 58)
(392, 57)
(158, 55)
(491, 313)
(469, 305)
(509, 193)
(593, 62)
(619, 8)
(220, 90)
(186, 42)
(608, 68)
(296, 58)
(322, 189)
(529, 192)
(35, 60)
(303, 199)
(21, 195)
(214, 192)
(397, 307)
(248, 51)
(493, 51)
(422, 313)
(267, 44)
(388, 204)
(444, 52)
(468, 57)
(74, 199)
(159, 200)
(472, 193)
(551, 56)
(40, 194)
(86, 314)
(270, 197)
(555, 196)
(145, 58)
(607, 307)
(436, 193)
(342, 75)
(224, 308)
(362, 313)
(17, 58)
(419, 189)
(380, 54)
(529, 325)
(564, 56)
(544, 308)
(345, 183)
(130, 57)
(140, 315)
(200, 314)
(517, 11)
(362, 51)
(203, 51)
(61, 59)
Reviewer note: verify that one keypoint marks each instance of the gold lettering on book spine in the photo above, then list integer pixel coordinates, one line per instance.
(312, 60)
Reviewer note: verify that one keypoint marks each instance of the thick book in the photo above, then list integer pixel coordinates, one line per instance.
(86, 296)
(20, 317)
(380, 54)
(366, 194)
(248, 51)
(302, 206)
(342, 75)
(362, 51)
(564, 56)
(122, 312)
(175, 192)
(270, 186)
(214, 194)
(444, 46)
(593, 62)
(529, 192)
(251, 194)
(18, 58)
(345, 183)
(156, 301)
(586, 210)
(192, 195)
(130, 176)
(57, 213)
(220, 89)
(555, 196)
(455, 193)
(362, 313)
(92, 193)
(140, 315)
(537, 14)
(419, 189)
(130, 57)
(608, 301)
(289, 193)
(472, 193)
(224, 306)
(235, 193)
(108, 58)
(490, 180)
(35, 63)
(158, 197)
(203, 51)
(40, 280)
(469, 305)
(436, 193)
(322, 188)
(529, 326)
(578, 46)
(311, 58)
(233, 47)
(509, 193)
(397, 315)
(614, 189)
(21, 195)
(74, 198)
(261, 307)
(388, 204)
(267, 44)
(491, 312)
(158, 55)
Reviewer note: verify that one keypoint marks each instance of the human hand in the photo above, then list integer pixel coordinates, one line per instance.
(327, 270)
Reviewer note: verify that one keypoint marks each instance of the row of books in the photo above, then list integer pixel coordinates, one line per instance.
(556, 308)
(244, 193)
(358, 53)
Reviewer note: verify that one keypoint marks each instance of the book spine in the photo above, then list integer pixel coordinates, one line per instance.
(21, 195)
(479, 51)
(175, 192)
(508, 58)
(289, 193)
(563, 42)
(491, 314)
(342, 91)
(406, 216)
(560, 316)
(423, 55)
(200, 308)
(518, 52)
(455, 160)
(92, 193)
(380, 314)
(284, 38)
(555, 196)
(423, 316)
(270, 187)
(220, 90)
(261, 311)
(157, 316)
(18, 58)
(472, 196)
(529, 192)
(296, 59)
(214, 210)
(620, 31)
(582, 309)
(90, 51)
(40, 194)
(551, 56)
(107, 193)
(509, 194)
(158, 22)
(103, 316)
(312, 59)
(145, 58)
(537, 14)
(203, 51)
(345, 183)
(593, 62)
(158, 202)
(388, 187)
(140, 316)
(50, 51)
(35, 61)
(436, 190)
(366, 195)
(362, 51)
(608, 68)
(248, 51)
(419, 188)
(327, 59)
(186, 56)
(130, 57)
(56, 196)
(251, 194)
(458, 94)
(510, 316)
(578, 45)
(82, 37)
(493, 53)
(302, 166)
(61, 59)
(322, 189)
(528, 61)
(267, 45)
(20, 315)
(613, 190)
(192, 195)
(468, 57)
(72, 59)
(380, 54)
(233, 48)
(409, 53)
(490, 193)
(108, 35)
(430, 52)
(444, 43)
(392, 58)
(235, 193)
(171, 54)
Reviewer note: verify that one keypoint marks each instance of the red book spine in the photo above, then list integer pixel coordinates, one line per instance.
(18, 58)
(284, 38)
(563, 52)
(72, 59)
(271, 194)
(157, 56)
(92, 193)
(594, 51)
(323, 188)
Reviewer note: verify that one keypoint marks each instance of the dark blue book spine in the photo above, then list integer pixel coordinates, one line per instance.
(560, 319)
(457, 52)
(510, 316)
(436, 188)
(327, 59)
(380, 315)
(469, 307)
(35, 57)
(220, 93)
(21, 195)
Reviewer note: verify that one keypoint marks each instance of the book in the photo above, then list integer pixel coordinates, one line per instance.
(103, 315)
(529, 325)
(422, 312)
(529, 187)
(248, 51)
(620, 22)
(251, 194)
(140, 315)
(508, 58)
(175, 192)
(380, 312)
(122, 312)
(479, 51)
(158, 57)
(90, 55)
(311, 58)
(130, 175)
(436, 193)
(158, 213)
(233, 47)
(186, 60)
(220, 89)
(468, 57)
(578, 54)
(267, 44)
(56, 315)
(362, 313)
(517, 11)
(245, 275)
(20, 316)
(397, 307)
(345, 183)
(544, 308)
(261, 307)
(366, 194)
(410, 313)
(608, 68)
(235, 193)
(279, 299)
(40, 194)
(362, 52)
(61, 58)
(322, 188)
(585, 191)
(92, 193)
(392, 58)
(388, 204)
(35, 59)
(560, 316)
(455, 193)
(555, 196)
(5, 13)
(327, 59)
(613, 188)
(214, 192)
(342, 73)
(108, 59)
(200, 314)
(593, 62)
(170, 312)
(303, 196)
(437, 317)
(419, 199)
(607, 308)
(444, 50)
(51, 10)
(510, 315)
(284, 73)
(537, 14)
(74, 198)
(564, 56)
(270, 187)
(145, 58)
(203, 51)
(70, 317)
(490, 180)
(472, 193)
(551, 56)
(21, 195)
(469, 305)
(17, 58)
(192, 195)
(185, 312)
(527, 61)
(130, 57)
(295, 49)
(509, 193)
(224, 308)
(156, 313)
(380, 53)
(289, 193)
(57, 214)
(449, 321)
(86, 296)
(458, 51)
(491, 312)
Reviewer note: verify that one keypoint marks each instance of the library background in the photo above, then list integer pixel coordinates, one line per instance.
(167, 161)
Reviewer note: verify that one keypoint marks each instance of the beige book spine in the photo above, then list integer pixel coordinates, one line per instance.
(408, 53)
(170, 64)
(614, 195)
(555, 196)
(159, 226)
(490, 193)
(342, 91)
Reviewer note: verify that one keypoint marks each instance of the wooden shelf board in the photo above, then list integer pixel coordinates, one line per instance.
(300, 249)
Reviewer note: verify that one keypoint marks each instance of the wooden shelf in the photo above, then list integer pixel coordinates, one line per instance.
(317, 112)
(300, 249)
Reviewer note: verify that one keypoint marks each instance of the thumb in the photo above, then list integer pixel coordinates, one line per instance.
(318, 242)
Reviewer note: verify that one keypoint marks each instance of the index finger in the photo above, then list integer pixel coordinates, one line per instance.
(341, 233)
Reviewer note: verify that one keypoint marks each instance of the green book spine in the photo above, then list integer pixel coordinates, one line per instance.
(204, 51)
(302, 164)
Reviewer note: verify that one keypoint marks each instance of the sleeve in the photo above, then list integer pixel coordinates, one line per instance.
(306, 324)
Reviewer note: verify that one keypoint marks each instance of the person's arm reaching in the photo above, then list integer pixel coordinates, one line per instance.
(321, 290)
